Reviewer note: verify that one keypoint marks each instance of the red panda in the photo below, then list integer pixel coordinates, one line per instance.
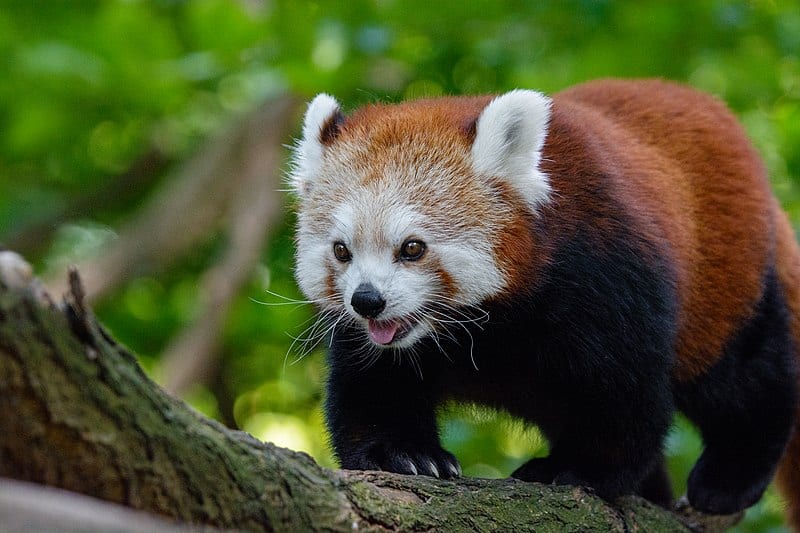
(590, 263)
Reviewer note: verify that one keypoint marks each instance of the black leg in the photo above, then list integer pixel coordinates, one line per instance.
(657, 486)
(381, 417)
(745, 408)
(613, 447)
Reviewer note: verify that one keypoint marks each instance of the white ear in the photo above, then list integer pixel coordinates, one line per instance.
(510, 134)
(307, 155)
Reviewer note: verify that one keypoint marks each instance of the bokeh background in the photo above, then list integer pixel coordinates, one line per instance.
(144, 141)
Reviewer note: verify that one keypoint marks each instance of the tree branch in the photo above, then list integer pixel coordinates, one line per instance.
(252, 211)
(32, 507)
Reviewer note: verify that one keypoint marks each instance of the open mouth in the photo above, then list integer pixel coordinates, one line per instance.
(386, 332)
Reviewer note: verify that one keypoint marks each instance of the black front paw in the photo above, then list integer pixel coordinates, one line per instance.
(717, 487)
(403, 459)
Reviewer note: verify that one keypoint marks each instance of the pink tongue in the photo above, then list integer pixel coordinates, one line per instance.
(382, 332)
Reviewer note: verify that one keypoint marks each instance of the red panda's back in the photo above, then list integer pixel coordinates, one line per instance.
(684, 164)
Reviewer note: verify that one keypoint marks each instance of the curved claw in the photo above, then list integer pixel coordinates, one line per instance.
(429, 461)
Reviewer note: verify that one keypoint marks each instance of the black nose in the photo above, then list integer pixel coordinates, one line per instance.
(367, 301)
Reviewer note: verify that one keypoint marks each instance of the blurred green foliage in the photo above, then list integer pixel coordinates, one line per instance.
(88, 88)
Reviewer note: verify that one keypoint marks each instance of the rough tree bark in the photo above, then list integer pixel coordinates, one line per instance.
(77, 412)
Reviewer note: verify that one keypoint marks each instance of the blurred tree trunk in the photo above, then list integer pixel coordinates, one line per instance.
(78, 413)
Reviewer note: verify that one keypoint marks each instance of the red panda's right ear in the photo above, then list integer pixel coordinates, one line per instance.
(320, 127)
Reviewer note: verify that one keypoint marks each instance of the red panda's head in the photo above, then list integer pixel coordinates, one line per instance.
(410, 214)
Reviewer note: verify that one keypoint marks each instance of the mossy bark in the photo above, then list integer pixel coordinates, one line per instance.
(77, 412)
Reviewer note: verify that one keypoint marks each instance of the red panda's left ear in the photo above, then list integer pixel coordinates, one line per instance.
(320, 126)
(509, 137)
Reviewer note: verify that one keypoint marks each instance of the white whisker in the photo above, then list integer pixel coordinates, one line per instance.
(288, 300)
(446, 316)
(310, 337)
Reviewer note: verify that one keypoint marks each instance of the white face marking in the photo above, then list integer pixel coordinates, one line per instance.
(374, 228)
(374, 223)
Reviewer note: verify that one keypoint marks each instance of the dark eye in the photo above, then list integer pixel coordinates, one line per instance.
(341, 252)
(412, 250)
